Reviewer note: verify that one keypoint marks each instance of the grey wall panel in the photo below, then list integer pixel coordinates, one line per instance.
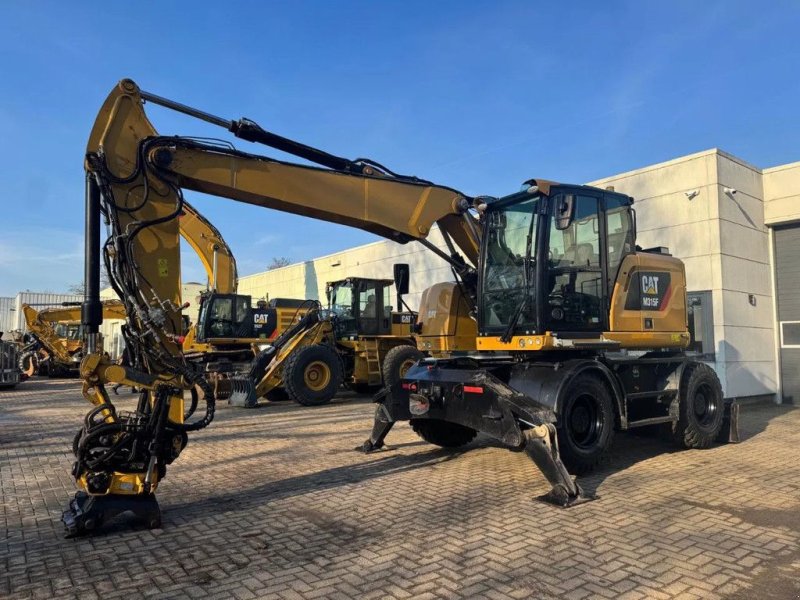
(787, 283)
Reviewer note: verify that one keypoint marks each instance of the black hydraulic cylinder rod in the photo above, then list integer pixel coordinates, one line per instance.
(252, 132)
(92, 308)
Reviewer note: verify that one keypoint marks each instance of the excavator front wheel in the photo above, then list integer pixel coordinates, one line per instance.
(312, 375)
(585, 423)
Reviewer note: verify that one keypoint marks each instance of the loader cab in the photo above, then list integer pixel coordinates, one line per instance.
(550, 259)
(361, 306)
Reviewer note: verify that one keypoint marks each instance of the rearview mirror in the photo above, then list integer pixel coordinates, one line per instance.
(564, 211)
(401, 277)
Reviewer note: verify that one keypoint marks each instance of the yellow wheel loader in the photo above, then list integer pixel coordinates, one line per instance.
(355, 341)
(565, 330)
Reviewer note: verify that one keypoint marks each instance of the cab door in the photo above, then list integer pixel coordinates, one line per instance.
(575, 286)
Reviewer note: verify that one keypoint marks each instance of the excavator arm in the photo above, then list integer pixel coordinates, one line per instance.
(135, 181)
(212, 250)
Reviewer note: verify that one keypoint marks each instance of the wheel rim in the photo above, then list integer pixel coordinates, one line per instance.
(703, 405)
(585, 422)
(405, 366)
(317, 376)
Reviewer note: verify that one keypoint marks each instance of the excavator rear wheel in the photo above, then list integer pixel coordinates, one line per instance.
(443, 433)
(312, 375)
(585, 423)
(701, 408)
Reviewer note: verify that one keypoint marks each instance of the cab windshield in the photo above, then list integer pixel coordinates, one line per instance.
(69, 331)
(341, 305)
(342, 299)
(508, 277)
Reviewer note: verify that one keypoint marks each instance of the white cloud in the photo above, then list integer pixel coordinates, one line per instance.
(25, 262)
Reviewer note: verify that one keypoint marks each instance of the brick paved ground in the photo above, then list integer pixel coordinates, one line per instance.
(274, 503)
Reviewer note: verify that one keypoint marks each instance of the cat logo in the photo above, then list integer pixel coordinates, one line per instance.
(261, 319)
(650, 285)
(653, 291)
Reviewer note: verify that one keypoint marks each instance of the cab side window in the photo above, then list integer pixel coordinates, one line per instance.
(620, 236)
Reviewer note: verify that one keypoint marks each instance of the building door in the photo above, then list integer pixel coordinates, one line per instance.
(787, 283)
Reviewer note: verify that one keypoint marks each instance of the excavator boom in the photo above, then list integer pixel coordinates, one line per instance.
(136, 178)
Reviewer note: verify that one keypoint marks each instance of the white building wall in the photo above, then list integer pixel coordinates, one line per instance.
(376, 260)
(39, 301)
(745, 332)
(782, 194)
(6, 314)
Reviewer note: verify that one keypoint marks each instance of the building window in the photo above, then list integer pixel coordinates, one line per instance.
(701, 325)
(790, 334)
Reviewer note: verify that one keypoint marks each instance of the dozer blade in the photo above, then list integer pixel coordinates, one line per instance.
(243, 392)
(541, 446)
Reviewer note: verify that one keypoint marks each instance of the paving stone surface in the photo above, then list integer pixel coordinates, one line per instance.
(274, 503)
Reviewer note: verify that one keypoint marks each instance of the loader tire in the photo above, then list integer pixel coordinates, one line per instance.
(443, 433)
(277, 394)
(585, 424)
(398, 360)
(29, 363)
(312, 375)
(701, 407)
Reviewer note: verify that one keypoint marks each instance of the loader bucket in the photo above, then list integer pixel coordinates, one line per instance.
(243, 392)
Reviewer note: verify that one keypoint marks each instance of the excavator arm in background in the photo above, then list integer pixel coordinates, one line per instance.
(50, 344)
(212, 250)
(136, 178)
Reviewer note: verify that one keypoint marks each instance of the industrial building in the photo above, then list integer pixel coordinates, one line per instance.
(735, 226)
(11, 316)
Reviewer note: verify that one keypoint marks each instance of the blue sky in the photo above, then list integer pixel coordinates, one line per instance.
(476, 95)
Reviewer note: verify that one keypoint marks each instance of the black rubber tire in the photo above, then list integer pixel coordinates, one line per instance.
(294, 375)
(443, 433)
(396, 362)
(585, 423)
(25, 360)
(56, 371)
(701, 407)
(277, 394)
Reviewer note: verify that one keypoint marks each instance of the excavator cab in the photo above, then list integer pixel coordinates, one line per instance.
(562, 263)
(237, 317)
(224, 316)
(361, 306)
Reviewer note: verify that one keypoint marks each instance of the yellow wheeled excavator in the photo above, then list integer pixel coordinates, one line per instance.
(570, 330)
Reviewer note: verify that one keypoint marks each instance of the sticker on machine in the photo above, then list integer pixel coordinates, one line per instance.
(649, 291)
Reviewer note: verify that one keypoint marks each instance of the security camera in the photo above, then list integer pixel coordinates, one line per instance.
(729, 191)
(691, 194)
